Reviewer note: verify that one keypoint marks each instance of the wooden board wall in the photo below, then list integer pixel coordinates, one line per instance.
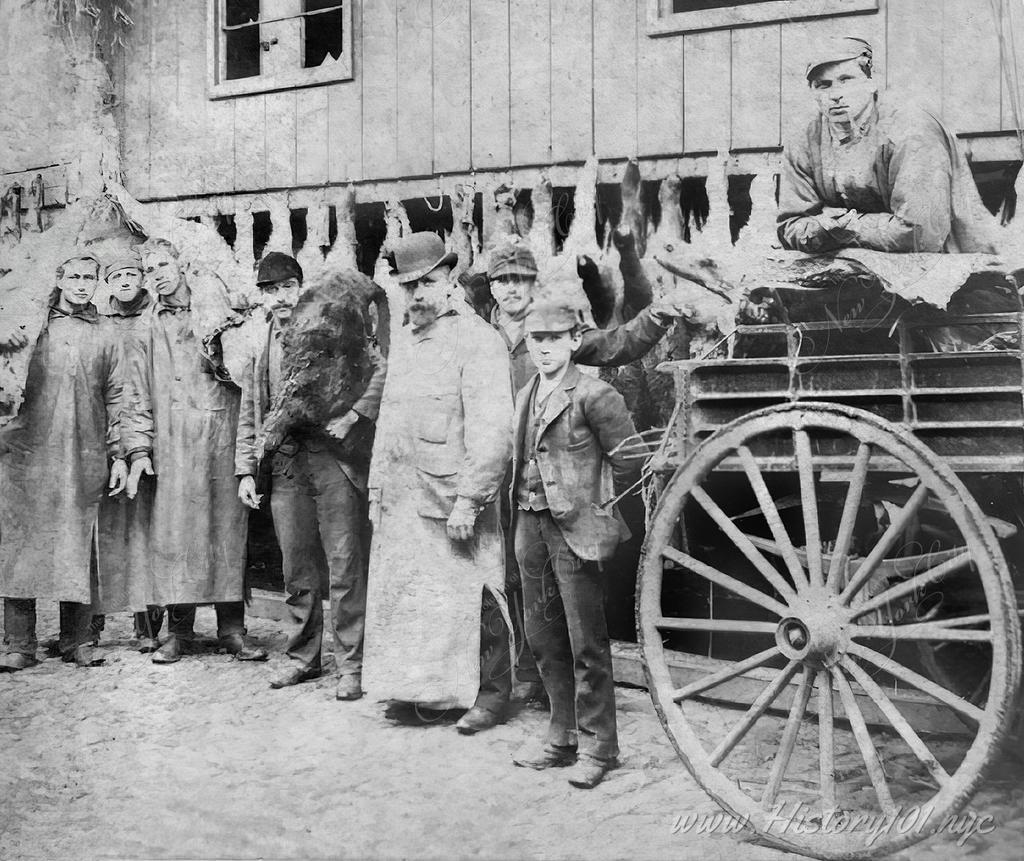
(452, 86)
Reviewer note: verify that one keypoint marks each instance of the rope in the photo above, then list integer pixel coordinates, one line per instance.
(440, 203)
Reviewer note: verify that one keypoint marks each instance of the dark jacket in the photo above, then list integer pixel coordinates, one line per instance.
(584, 420)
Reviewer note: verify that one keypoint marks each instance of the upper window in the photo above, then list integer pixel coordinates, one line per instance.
(261, 45)
(682, 16)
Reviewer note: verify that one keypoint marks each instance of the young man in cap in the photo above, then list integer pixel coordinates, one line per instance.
(197, 531)
(437, 634)
(49, 502)
(123, 540)
(870, 172)
(567, 427)
(318, 498)
(512, 272)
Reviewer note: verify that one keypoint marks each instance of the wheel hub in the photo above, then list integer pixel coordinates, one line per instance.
(815, 633)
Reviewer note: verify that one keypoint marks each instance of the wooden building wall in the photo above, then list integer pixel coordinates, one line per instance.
(455, 86)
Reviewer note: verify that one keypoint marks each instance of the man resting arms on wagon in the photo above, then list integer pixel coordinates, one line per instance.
(870, 172)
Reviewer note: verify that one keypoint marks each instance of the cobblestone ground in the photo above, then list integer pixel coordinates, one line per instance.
(202, 760)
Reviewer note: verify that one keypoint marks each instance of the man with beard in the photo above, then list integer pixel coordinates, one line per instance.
(197, 530)
(318, 496)
(54, 461)
(871, 172)
(512, 273)
(123, 525)
(437, 635)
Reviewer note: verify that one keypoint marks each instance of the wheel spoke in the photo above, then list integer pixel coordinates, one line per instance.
(885, 543)
(724, 675)
(919, 631)
(826, 745)
(757, 708)
(854, 493)
(867, 747)
(789, 736)
(899, 723)
(718, 626)
(918, 681)
(725, 581)
(743, 543)
(771, 514)
(809, 501)
(908, 587)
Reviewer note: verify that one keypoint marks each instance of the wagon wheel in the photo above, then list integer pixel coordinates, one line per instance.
(824, 636)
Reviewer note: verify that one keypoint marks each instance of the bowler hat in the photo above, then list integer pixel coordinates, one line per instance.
(129, 260)
(547, 316)
(419, 253)
(514, 258)
(277, 267)
(835, 50)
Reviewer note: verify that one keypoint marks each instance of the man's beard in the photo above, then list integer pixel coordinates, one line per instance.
(421, 315)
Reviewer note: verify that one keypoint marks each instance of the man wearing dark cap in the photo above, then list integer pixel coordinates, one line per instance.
(436, 623)
(567, 429)
(872, 172)
(318, 498)
(513, 273)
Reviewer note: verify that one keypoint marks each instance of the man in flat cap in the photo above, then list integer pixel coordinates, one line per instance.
(513, 274)
(122, 536)
(317, 497)
(436, 621)
(872, 172)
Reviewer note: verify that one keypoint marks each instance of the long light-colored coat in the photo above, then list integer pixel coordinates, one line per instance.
(55, 460)
(444, 432)
(197, 533)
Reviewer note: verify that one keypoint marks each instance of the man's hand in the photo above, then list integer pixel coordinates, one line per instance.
(339, 427)
(836, 223)
(118, 477)
(142, 465)
(12, 340)
(462, 520)
(247, 492)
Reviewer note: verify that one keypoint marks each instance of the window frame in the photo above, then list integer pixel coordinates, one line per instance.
(662, 21)
(220, 87)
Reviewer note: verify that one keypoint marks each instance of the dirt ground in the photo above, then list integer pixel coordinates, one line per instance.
(203, 760)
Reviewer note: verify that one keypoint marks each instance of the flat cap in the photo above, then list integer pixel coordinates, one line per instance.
(277, 267)
(512, 258)
(129, 260)
(551, 316)
(837, 49)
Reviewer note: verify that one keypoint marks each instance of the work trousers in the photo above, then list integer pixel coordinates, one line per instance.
(20, 625)
(148, 624)
(567, 630)
(181, 619)
(495, 661)
(526, 664)
(321, 523)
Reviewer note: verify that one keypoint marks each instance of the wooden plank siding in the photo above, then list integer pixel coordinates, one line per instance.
(458, 86)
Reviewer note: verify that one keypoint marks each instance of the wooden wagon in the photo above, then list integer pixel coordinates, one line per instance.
(838, 517)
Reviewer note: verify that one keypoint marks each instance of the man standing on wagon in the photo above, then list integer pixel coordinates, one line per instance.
(872, 172)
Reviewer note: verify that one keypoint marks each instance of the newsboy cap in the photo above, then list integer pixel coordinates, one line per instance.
(551, 316)
(419, 253)
(835, 50)
(277, 266)
(128, 260)
(512, 258)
